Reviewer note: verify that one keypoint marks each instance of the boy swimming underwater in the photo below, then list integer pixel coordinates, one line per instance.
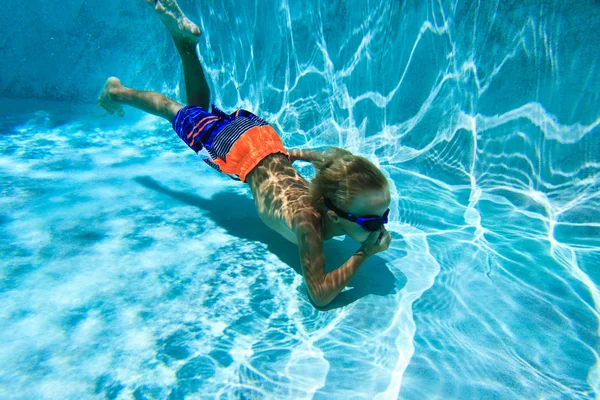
(348, 195)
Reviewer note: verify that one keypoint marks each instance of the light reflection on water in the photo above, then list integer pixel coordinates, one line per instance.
(122, 277)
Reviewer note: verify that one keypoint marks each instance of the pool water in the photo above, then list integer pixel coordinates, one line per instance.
(130, 269)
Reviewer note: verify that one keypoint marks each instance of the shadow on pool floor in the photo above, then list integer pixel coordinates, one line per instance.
(241, 220)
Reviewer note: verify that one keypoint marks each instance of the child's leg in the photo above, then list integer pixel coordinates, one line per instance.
(185, 34)
(115, 94)
(196, 87)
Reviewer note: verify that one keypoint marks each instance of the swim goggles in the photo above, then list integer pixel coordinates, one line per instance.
(370, 223)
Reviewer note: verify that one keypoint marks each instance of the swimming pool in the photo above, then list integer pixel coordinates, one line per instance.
(131, 269)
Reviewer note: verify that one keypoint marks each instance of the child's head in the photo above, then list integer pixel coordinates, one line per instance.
(353, 185)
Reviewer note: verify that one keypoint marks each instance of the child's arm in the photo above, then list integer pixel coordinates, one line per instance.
(305, 155)
(324, 287)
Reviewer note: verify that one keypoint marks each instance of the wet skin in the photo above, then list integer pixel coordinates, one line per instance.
(281, 194)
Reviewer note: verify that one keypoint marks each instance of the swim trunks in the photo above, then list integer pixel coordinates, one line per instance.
(230, 143)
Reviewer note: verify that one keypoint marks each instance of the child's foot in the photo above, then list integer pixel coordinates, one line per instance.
(106, 99)
(176, 22)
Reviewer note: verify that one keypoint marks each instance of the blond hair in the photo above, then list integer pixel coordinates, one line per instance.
(342, 176)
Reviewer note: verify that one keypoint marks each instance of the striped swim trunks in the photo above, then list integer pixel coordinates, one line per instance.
(230, 143)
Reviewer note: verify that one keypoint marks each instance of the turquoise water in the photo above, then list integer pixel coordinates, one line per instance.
(129, 269)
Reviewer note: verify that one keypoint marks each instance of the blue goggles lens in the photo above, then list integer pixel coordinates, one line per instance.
(373, 223)
(370, 223)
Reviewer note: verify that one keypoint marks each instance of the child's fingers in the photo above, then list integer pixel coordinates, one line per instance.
(387, 240)
(372, 239)
(384, 240)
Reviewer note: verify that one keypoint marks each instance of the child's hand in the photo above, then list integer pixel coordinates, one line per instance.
(377, 241)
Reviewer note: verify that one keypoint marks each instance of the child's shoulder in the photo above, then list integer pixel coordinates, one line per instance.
(308, 222)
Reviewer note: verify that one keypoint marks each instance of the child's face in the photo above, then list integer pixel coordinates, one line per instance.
(369, 203)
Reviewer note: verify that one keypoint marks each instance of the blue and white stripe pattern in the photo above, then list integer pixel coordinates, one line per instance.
(213, 134)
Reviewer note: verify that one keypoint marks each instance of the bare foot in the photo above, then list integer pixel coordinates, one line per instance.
(176, 22)
(106, 99)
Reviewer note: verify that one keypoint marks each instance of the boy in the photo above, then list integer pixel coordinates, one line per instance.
(348, 196)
